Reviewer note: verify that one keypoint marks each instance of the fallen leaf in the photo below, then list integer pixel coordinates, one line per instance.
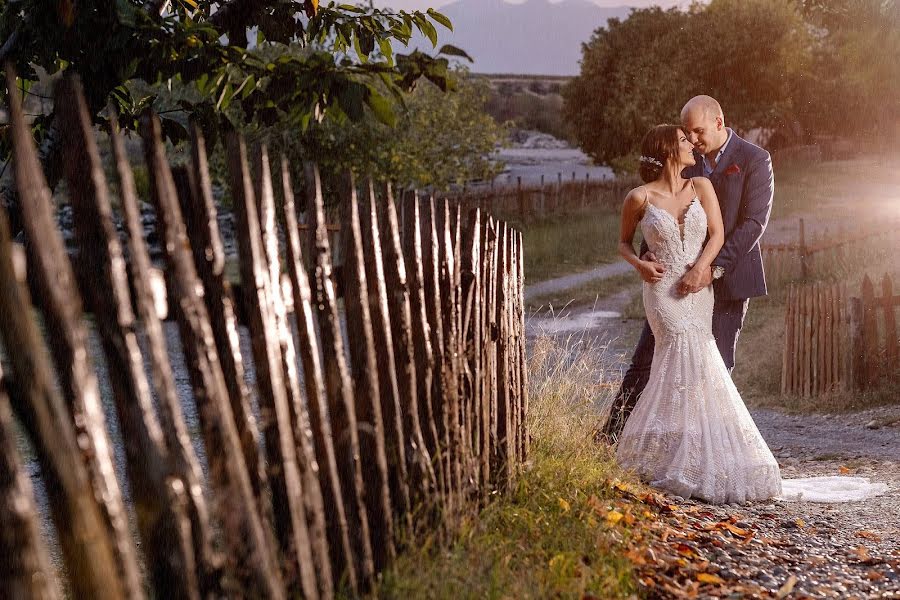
(613, 517)
(843, 470)
(709, 578)
(736, 530)
(787, 588)
(800, 523)
(874, 575)
(869, 535)
(564, 505)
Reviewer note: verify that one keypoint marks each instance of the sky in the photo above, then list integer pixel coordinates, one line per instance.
(423, 4)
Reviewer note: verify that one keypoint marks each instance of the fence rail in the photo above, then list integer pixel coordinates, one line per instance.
(798, 259)
(407, 421)
(525, 203)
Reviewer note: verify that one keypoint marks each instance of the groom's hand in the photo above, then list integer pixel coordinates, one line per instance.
(695, 280)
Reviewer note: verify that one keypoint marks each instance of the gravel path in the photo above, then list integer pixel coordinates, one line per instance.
(789, 549)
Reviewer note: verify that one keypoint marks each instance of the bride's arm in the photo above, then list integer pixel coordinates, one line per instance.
(632, 211)
(700, 275)
(710, 203)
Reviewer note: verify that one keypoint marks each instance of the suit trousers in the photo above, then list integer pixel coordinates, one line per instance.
(727, 320)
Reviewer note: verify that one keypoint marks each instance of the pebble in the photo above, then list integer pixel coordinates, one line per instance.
(846, 550)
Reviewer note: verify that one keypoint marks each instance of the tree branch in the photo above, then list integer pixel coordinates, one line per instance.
(9, 45)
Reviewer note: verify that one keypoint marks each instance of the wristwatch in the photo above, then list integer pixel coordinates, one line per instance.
(718, 272)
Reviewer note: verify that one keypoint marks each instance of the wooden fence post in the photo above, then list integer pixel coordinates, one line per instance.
(53, 277)
(804, 267)
(168, 551)
(870, 331)
(890, 324)
(857, 344)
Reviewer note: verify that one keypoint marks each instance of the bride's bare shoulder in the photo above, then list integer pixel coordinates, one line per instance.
(702, 184)
(636, 197)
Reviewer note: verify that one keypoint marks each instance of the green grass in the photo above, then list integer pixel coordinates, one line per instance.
(862, 187)
(540, 540)
(570, 243)
(584, 294)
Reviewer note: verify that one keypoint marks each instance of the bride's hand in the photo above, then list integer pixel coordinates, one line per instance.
(695, 280)
(650, 270)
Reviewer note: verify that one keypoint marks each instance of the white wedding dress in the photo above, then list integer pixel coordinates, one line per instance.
(690, 432)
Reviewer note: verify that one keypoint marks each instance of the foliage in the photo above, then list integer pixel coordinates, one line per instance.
(808, 67)
(440, 139)
(346, 51)
(539, 108)
(634, 75)
(856, 76)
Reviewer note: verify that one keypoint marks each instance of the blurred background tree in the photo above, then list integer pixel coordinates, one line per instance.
(800, 69)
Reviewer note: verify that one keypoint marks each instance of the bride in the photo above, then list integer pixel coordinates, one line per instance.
(690, 432)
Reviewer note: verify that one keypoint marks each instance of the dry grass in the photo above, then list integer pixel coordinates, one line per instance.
(538, 540)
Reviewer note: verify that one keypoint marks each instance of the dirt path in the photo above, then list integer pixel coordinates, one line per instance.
(560, 284)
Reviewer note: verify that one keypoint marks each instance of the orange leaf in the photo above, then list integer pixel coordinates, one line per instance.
(736, 530)
(843, 470)
(709, 578)
(869, 535)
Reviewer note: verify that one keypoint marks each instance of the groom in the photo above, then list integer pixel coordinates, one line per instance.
(741, 174)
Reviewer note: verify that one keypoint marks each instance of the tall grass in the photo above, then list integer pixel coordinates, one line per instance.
(539, 540)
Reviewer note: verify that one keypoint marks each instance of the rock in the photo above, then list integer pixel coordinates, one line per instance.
(873, 424)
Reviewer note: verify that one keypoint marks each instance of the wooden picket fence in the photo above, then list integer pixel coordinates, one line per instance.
(526, 203)
(834, 341)
(365, 439)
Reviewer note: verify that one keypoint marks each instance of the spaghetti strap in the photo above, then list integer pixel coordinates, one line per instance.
(693, 188)
(646, 201)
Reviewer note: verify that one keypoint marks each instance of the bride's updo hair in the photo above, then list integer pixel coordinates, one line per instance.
(659, 145)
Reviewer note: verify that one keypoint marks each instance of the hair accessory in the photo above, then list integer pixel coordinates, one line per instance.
(651, 160)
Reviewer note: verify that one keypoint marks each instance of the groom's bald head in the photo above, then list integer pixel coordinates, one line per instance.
(703, 106)
(704, 124)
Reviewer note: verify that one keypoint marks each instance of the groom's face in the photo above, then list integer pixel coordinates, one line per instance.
(703, 130)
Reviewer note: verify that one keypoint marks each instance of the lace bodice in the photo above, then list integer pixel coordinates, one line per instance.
(665, 238)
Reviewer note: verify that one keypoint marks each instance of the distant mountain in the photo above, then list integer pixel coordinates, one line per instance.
(536, 37)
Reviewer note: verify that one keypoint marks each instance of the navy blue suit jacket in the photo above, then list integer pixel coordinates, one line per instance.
(745, 185)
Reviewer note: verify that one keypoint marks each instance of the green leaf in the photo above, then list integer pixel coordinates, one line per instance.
(440, 18)
(428, 29)
(387, 50)
(381, 107)
(352, 8)
(454, 51)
